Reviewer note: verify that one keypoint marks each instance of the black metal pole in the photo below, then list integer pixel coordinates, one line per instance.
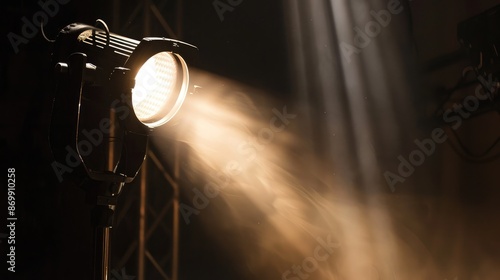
(102, 245)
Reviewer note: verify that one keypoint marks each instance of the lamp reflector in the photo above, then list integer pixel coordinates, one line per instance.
(160, 88)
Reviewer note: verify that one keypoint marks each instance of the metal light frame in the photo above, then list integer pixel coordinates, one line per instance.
(95, 75)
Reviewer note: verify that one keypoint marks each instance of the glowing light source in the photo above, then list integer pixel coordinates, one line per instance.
(160, 88)
(101, 76)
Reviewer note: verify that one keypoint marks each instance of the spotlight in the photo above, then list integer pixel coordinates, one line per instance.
(111, 91)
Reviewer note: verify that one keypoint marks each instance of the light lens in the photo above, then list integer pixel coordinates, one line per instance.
(160, 88)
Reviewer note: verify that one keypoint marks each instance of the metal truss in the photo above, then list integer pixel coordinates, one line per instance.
(151, 209)
(150, 205)
(150, 12)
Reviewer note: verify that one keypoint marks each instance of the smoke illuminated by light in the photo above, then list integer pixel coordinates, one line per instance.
(270, 202)
(272, 190)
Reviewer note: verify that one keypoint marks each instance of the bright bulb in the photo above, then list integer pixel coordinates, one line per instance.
(160, 88)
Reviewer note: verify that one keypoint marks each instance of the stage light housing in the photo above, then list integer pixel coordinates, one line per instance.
(111, 91)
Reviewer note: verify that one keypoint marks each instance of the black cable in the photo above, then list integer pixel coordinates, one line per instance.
(43, 33)
(449, 92)
(466, 154)
(106, 29)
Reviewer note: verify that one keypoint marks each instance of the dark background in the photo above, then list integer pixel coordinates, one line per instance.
(249, 46)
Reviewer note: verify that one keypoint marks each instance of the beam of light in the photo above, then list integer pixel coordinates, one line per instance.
(364, 95)
(271, 208)
(282, 191)
(244, 148)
